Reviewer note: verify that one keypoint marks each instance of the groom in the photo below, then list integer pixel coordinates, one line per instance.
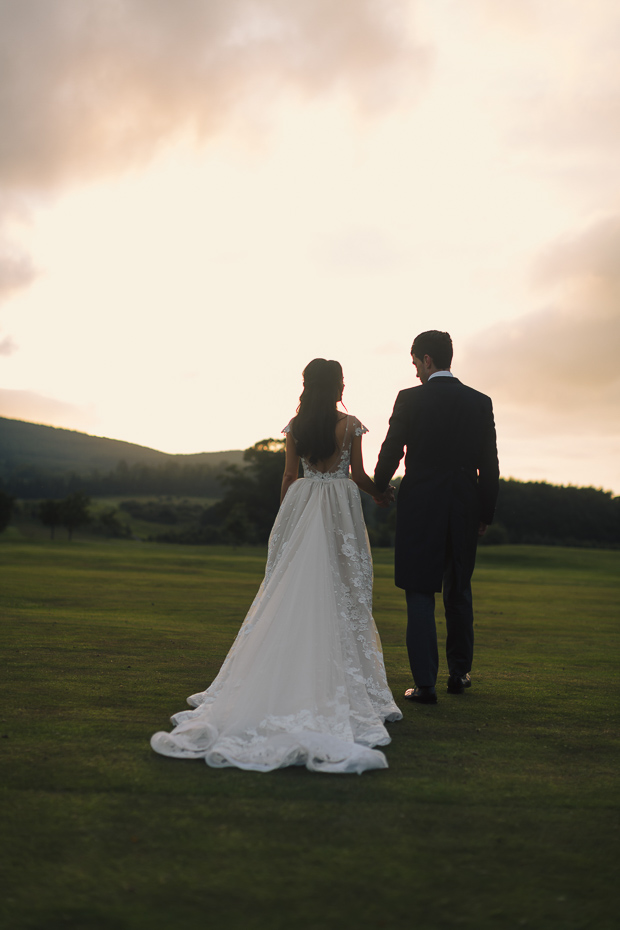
(445, 502)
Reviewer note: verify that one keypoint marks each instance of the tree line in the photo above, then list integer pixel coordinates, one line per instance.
(31, 482)
(535, 513)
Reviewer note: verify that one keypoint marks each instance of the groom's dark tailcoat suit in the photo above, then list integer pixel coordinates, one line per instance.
(450, 487)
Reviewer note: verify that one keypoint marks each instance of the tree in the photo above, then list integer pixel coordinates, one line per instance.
(6, 509)
(380, 521)
(50, 513)
(537, 513)
(74, 511)
(237, 528)
(110, 524)
(252, 496)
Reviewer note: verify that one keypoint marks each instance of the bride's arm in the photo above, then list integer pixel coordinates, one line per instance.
(291, 465)
(362, 480)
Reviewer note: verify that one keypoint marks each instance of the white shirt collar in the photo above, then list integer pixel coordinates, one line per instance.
(441, 374)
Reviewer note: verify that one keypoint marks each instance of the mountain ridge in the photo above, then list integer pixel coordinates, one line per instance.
(25, 444)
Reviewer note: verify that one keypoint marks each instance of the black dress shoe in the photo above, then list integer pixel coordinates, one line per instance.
(421, 695)
(458, 683)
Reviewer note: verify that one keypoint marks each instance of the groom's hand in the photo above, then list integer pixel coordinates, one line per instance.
(385, 499)
(482, 528)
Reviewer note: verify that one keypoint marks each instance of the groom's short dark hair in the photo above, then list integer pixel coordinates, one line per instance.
(436, 344)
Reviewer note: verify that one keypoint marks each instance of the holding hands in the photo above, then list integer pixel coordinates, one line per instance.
(386, 498)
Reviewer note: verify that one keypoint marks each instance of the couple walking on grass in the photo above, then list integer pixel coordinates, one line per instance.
(304, 682)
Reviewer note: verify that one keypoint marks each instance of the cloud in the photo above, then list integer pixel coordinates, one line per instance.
(552, 85)
(16, 267)
(91, 87)
(36, 408)
(7, 346)
(593, 254)
(557, 367)
(576, 108)
(16, 270)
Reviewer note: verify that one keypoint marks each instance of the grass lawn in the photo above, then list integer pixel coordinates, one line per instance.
(499, 808)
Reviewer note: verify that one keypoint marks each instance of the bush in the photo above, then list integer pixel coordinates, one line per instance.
(6, 509)
(109, 524)
(496, 535)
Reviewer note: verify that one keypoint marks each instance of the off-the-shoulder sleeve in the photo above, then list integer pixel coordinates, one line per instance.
(360, 429)
(288, 426)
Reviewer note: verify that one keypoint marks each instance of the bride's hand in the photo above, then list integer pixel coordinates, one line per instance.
(385, 499)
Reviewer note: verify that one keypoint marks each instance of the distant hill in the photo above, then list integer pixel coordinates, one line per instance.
(30, 445)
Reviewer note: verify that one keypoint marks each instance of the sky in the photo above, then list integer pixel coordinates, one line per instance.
(199, 197)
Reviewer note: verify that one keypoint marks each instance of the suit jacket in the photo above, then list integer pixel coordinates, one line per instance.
(451, 481)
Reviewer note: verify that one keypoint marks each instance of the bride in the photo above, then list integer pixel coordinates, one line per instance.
(304, 682)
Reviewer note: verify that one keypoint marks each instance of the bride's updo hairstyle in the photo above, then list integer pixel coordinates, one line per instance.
(315, 422)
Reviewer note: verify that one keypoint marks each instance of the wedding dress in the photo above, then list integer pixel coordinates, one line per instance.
(304, 682)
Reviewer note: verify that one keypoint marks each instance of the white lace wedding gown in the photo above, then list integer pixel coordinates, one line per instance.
(304, 682)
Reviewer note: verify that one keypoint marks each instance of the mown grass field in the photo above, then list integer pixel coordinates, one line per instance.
(499, 809)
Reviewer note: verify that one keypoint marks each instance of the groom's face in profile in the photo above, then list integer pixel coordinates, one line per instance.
(420, 367)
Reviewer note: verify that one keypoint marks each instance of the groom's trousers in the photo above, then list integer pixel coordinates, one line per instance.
(422, 631)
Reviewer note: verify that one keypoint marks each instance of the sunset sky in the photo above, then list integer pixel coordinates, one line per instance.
(197, 197)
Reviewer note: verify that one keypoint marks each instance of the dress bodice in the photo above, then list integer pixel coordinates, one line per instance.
(340, 467)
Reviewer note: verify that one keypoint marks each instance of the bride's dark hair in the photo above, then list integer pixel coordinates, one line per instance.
(315, 423)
